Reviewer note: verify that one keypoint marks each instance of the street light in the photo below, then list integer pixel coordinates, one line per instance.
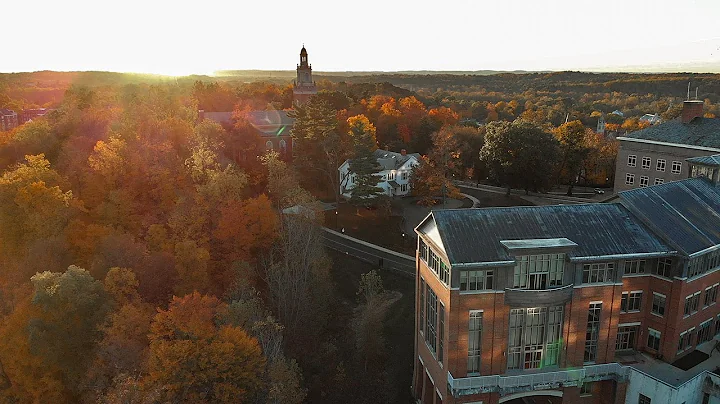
(336, 219)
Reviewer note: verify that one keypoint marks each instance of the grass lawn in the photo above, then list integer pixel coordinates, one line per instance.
(371, 226)
(399, 324)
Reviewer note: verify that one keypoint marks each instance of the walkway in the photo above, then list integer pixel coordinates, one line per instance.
(374, 254)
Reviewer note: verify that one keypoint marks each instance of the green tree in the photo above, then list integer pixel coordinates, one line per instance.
(363, 165)
(519, 155)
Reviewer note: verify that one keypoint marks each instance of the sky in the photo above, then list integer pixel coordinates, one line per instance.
(178, 37)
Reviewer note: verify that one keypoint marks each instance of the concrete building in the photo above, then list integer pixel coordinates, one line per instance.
(304, 87)
(8, 119)
(594, 303)
(657, 154)
(394, 174)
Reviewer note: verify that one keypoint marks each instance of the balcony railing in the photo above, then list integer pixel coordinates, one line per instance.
(536, 381)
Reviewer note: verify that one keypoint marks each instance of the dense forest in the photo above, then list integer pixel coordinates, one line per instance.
(145, 256)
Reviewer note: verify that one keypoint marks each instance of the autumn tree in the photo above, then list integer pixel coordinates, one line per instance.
(193, 357)
(434, 178)
(283, 185)
(573, 151)
(364, 167)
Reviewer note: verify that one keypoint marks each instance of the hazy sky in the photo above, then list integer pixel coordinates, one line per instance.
(178, 37)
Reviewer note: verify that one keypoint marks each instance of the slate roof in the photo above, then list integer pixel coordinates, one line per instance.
(391, 160)
(7, 111)
(474, 235)
(712, 161)
(685, 213)
(268, 123)
(698, 132)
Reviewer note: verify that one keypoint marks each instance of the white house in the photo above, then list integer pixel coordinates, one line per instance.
(395, 174)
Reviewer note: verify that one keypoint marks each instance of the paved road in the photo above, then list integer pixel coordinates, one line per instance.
(379, 256)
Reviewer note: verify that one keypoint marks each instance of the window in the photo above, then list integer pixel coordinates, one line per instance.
(403, 187)
(643, 399)
(631, 301)
(632, 160)
(538, 272)
(659, 181)
(592, 333)
(474, 338)
(658, 304)
(404, 175)
(646, 161)
(676, 167)
(626, 337)
(660, 166)
(705, 331)
(431, 323)
(441, 332)
(423, 251)
(710, 295)
(663, 266)
(691, 303)
(441, 269)
(653, 339)
(598, 273)
(422, 305)
(635, 267)
(534, 337)
(644, 180)
(717, 325)
(476, 280)
(629, 179)
(586, 389)
(684, 341)
(283, 146)
(269, 145)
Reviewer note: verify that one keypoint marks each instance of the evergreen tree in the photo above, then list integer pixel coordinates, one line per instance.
(363, 164)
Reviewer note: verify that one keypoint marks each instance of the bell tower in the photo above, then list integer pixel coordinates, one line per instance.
(304, 86)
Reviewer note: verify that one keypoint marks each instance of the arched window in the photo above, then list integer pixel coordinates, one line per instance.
(268, 145)
(283, 146)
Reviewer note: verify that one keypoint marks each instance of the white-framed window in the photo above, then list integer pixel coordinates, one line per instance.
(658, 304)
(644, 180)
(685, 340)
(269, 145)
(391, 175)
(592, 332)
(421, 323)
(476, 280)
(691, 304)
(632, 160)
(441, 332)
(653, 339)
(599, 272)
(676, 167)
(663, 267)
(711, 295)
(586, 389)
(403, 187)
(539, 271)
(659, 181)
(404, 175)
(634, 267)
(283, 146)
(631, 301)
(705, 331)
(474, 341)
(629, 179)
(646, 162)
(660, 165)
(431, 303)
(626, 337)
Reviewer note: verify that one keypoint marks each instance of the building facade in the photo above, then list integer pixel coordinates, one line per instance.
(304, 87)
(565, 301)
(657, 154)
(8, 119)
(395, 171)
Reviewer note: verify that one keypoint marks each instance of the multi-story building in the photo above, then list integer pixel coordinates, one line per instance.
(395, 172)
(8, 119)
(657, 154)
(586, 303)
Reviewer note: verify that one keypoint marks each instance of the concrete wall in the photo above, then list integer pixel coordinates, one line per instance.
(661, 393)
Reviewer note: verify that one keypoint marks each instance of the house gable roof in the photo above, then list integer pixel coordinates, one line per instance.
(392, 160)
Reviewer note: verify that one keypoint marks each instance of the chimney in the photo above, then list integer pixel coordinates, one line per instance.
(403, 152)
(691, 109)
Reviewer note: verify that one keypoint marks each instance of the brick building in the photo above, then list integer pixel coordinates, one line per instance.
(8, 119)
(657, 154)
(569, 302)
(304, 87)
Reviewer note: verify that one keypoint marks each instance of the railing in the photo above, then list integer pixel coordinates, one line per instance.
(535, 381)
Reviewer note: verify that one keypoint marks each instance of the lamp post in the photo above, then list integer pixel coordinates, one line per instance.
(336, 219)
